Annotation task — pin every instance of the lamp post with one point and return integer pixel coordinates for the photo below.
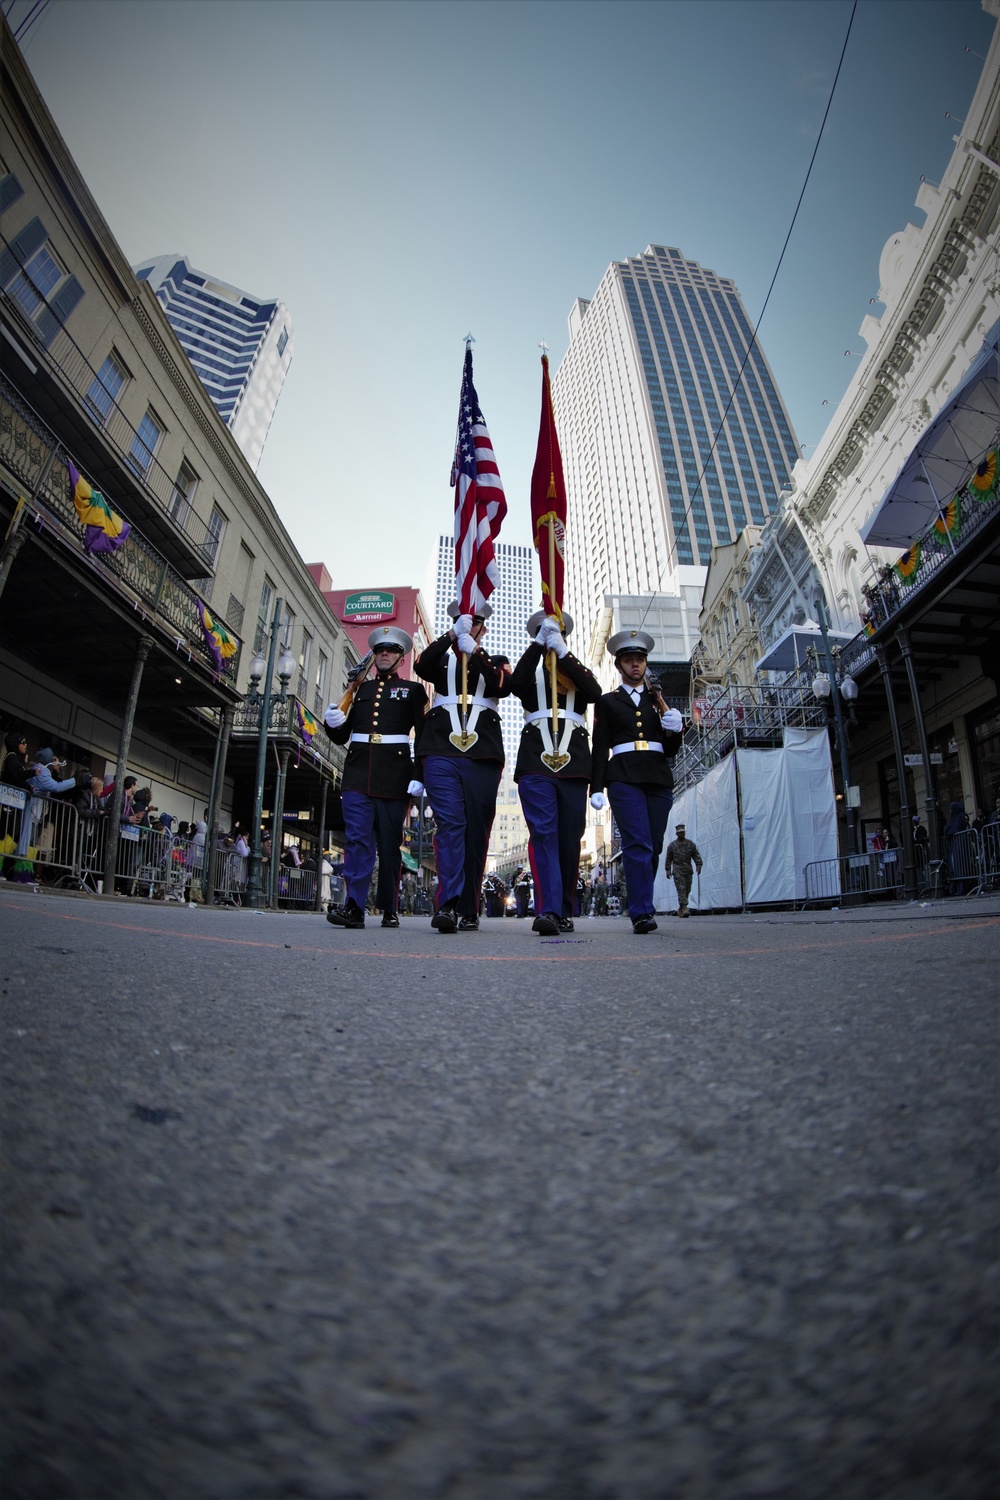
(260, 668)
(828, 684)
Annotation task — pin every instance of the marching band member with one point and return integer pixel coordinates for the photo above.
(378, 777)
(462, 762)
(552, 771)
(634, 738)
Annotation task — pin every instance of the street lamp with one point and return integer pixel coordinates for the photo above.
(822, 686)
(259, 668)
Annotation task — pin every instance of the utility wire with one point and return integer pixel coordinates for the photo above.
(760, 319)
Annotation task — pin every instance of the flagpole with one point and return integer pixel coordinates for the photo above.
(464, 711)
(556, 610)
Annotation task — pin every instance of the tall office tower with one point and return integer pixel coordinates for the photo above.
(659, 464)
(517, 595)
(240, 346)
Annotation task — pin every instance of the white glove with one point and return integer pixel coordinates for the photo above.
(598, 800)
(466, 642)
(671, 721)
(333, 718)
(415, 789)
(463, 625)
(550, 637)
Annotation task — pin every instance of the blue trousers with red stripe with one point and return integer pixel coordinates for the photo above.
(373, 826)
(556, 814)
(641, 813)
(463, 795)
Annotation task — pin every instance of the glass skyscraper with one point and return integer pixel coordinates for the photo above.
(240, 346)
(668, 449)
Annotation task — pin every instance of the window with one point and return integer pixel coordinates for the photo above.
(144, 444)
(32, 285)
(184, 487)
(264, 615)
(214, 532)
(105, 388)
(34, 278)
(282, 341)
(304, 655)
(322, 668)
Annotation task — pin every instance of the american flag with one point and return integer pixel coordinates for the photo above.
(480, 503)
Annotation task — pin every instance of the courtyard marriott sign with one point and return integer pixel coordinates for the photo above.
(368, 608)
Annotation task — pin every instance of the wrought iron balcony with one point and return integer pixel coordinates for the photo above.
(37, 463)
(285, 723)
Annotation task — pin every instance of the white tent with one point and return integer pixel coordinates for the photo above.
(758, 818)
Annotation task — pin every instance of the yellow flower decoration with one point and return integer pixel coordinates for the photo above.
(949, 521)
(984, 480)
(905, 568)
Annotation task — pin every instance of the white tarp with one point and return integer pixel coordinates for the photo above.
(789, 817)
(789, 814)
(708, 811)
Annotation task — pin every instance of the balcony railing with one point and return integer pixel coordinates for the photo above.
(62, 354)
(137, 571)
(283, 723)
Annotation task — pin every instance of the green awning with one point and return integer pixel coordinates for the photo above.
(409, 863)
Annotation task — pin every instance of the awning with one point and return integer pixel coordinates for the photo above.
(409, 862)
(791, 649)
(944, 457)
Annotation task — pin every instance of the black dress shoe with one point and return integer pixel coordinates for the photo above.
(644, 924)
(566, 924)
(469, 924)
(547, 924)
(349, 915)
(390, 919)
(445, 920)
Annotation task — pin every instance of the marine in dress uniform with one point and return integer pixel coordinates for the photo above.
(462, 784)
(682, 853)
(633, 744)
(552, 772)
(379, 777)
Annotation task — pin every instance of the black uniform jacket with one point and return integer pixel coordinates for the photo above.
(617, 721)
(524, 685)
(489, 677)
(382, 705)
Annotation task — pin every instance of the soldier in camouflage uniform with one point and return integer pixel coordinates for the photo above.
(681, 854)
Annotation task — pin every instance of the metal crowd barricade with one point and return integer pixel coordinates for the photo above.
(153, 866)
(230, 877)
(858, 877)
(990, 844)
(39, 837)
(296, 887)
(963, 855)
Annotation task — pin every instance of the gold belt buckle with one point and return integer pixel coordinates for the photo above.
(375, 739)
(641, 745)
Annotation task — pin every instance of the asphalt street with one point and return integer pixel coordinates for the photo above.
(297, 1213)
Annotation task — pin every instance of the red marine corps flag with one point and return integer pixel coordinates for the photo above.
(548, 504)
(480, 504)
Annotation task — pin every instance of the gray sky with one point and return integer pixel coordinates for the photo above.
(402, 173)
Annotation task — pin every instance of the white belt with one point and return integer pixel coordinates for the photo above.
(564, 713)
(445, 700)
(637, 745)
(380, 739)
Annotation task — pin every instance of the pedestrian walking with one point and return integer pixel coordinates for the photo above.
(553, 767)
(460, 751)
(635, 737)
(682, 853)
(379, 777)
